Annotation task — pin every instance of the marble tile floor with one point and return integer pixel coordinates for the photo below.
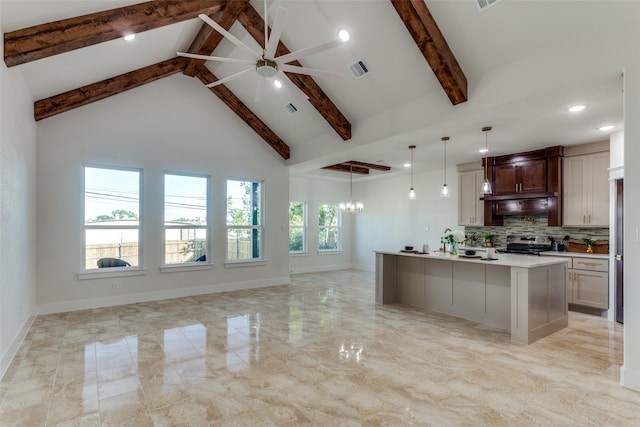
(318, 352)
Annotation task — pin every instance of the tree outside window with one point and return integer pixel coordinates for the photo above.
(329, 227)
(244, 220)
(297, 227)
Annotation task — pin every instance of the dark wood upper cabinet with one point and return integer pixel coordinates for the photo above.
(533, 175)
(521, 177)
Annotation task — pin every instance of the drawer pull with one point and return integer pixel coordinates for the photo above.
(590, 264)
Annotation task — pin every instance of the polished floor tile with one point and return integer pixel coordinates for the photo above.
(318, 352)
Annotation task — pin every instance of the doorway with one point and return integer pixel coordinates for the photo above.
(619, 248)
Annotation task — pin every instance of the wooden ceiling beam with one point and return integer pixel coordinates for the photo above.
(238, 107)
(373, 166)
(42, 41)
(96, 91)
(254, 24)
(346, 167)
(208, 39)
(425, 32)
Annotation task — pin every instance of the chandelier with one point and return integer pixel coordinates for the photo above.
(350, 207)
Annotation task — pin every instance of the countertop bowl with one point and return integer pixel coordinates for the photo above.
(408, 248)
(469, 252)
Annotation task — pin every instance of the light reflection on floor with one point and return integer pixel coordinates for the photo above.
(317, 352)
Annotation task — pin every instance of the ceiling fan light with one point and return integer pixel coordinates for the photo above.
(266, 67)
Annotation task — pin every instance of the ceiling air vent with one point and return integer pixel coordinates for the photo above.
(485, 4)
(291, 109)
(359, 69)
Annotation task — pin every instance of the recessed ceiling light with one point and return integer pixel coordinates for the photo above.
(277, 83)
(344, 35)
(606, 127)
(577, 108)
(407, 165)
(129, 37)
(484, 150)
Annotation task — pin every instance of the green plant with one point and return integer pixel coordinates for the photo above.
(587, 241)
(488, 239)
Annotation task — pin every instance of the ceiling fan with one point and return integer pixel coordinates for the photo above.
(265, 64)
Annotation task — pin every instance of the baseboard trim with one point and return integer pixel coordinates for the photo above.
(85, 304)
(320, 268)
(12, 350)
(371, 268)
(629, 378)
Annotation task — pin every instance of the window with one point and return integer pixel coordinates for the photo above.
(111, 217)
(297, 227)
(185, 218)
(329, 234)
(244, 220)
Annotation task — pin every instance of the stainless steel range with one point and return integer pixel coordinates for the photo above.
(528, 245)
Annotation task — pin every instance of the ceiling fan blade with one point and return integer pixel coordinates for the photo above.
(309, 71)
(227, 35)
(308, 51)
(259, 89)
(215, 58)
(231, 77)
(276, 31)
(295, 88)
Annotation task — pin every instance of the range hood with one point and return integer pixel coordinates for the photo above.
(527, 183)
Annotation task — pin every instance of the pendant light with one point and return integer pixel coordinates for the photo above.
(486, 185)
(445, 190)
(350, 207)
(412, 193)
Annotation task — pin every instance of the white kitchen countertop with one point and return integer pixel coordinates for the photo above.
(509, 260)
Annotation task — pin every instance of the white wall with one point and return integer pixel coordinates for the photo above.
(169, 125)
(17, 212)
(391, 221)
(630, 372)
(314, 191)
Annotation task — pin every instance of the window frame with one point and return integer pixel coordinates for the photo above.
(302, 227)
(338, 226)
(103, 272)
(260, 227)
(207, 227)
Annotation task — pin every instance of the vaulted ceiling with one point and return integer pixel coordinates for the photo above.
(524, 62)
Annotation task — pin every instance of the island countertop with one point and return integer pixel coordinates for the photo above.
(508, 260)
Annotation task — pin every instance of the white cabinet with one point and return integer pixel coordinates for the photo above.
(589, 282)
(586, 190)
(470, 207)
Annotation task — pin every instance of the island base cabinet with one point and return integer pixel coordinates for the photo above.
(530, 302)
(539, 305)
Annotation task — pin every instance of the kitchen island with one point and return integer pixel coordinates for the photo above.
(523, 294)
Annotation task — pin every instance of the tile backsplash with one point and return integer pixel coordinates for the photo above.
(537, 226)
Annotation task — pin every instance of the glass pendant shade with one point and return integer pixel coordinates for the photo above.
(412, 192)
(486, 184)
(444, 192)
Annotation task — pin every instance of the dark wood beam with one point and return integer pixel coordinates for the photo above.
(96, 91)
(253, 23)
(373, 166)
(208, 39)
(434, 48)
(238, 107)
(346, 167)
(42, 41)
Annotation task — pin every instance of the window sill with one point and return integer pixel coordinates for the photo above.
(294, 254)
(113, 272)
(336, 252)
(178, 268)
(245, 263)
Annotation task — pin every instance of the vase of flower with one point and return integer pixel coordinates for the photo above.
(453, 248)
(451, 242)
